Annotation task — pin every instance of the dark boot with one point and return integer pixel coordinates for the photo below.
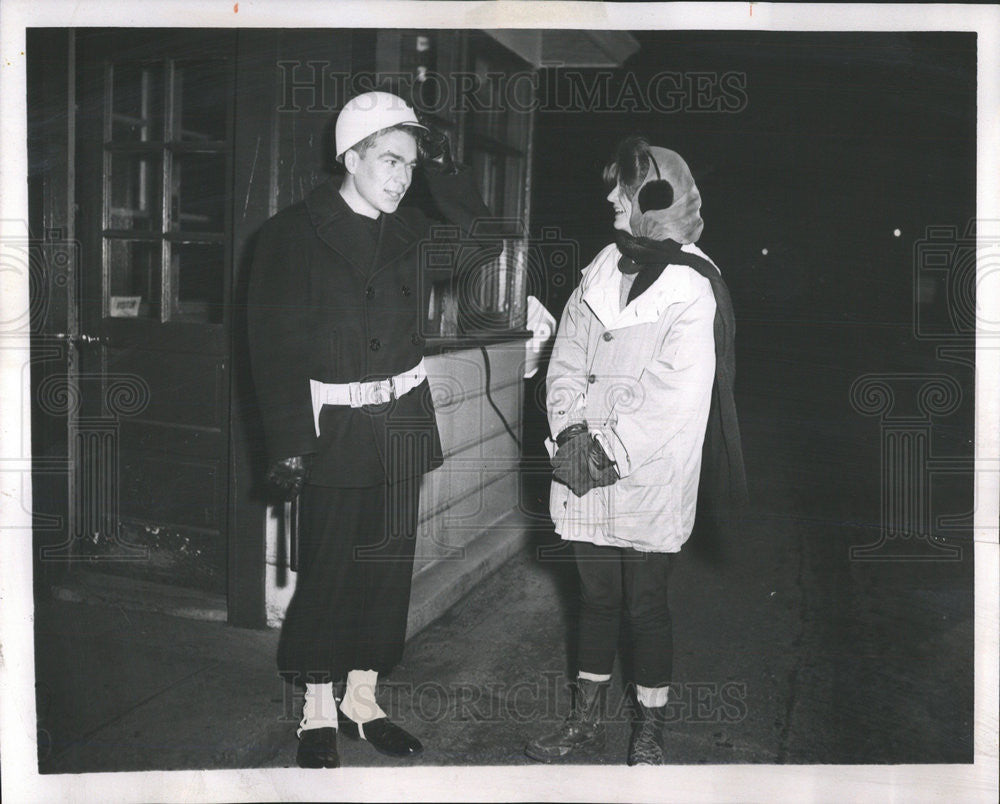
(584, 728)
(647, 741)
(318, 749)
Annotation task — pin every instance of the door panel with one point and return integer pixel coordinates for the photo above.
(155, 152)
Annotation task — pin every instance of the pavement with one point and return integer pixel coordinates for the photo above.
(777, 660)
(787, 649)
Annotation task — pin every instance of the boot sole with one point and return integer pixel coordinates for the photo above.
(595, 744)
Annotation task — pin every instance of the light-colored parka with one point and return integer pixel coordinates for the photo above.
(642, 378)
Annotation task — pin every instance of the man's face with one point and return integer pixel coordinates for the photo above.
(383, 175)
(619, 200)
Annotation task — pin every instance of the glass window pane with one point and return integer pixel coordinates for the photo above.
(487, 169)
(137, 102)
(135, 196)
(198, 193)
(198, 281)
(491, 115)
(418, 60)
(200, 96)
(133, 278)
(513, 202)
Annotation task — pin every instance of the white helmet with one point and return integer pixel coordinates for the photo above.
(368, 113)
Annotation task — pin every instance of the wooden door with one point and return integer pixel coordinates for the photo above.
(154, 198)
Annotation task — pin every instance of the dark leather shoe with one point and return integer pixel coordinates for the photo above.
(384, 735)
(318, 749)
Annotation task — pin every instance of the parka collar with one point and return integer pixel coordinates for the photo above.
(601, 289)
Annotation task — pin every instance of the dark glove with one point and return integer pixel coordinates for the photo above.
(435, 152)
(603, 470)
(581, 463)
(571, 463)
(288, 475)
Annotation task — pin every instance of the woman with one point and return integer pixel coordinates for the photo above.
(641, 370)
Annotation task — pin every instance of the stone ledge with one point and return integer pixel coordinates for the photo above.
(440, 585)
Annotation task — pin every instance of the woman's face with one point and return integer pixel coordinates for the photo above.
(622, 207)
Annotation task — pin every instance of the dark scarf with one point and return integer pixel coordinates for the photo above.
(723, 475)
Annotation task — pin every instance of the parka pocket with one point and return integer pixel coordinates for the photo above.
(657, 472)
(646, 502)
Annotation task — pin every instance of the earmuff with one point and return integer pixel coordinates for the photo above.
(657, 194)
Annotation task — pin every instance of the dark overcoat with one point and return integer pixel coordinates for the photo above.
(317, 311)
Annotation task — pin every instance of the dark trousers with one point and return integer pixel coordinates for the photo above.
(352, 594)
(613, 578)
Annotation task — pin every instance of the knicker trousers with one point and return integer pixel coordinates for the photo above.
(612, 578)
(352, 593)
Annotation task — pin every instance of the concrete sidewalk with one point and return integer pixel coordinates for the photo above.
(785, 652)
(134, 690)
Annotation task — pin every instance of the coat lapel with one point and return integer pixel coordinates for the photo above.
(396, 238)
(603, 290)
(337, 225)
(600, 290)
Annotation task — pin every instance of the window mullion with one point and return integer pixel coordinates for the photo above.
(168, 280)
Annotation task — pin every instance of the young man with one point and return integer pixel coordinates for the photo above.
(337, 358)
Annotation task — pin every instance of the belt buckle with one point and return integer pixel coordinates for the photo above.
(390, 388)
(378, 392)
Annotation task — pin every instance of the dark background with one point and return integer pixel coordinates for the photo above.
(844, 138)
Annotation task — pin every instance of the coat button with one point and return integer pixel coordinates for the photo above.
(608, 336)
(416, 339)
(406, 290)
(370, 293)
(592, 378)
(375, 344)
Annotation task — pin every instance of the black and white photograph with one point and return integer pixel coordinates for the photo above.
(492, 401)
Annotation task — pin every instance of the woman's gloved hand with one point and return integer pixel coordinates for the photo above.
(603, 470)
(581, 462)
(570, 465)
(289, 475)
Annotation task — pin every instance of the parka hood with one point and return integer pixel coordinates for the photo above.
(680, 220)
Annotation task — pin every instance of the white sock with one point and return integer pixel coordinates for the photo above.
(359, 697)
(600, 679)
(318, 709)
(652, 697)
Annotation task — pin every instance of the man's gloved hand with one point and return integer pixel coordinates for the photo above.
(288, 475)
(435, 152)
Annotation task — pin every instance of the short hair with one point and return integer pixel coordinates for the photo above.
(629, 165)
(361, 146)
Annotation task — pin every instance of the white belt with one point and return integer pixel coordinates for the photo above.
(357, 394)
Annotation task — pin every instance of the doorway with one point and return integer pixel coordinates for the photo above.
(149, 445)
